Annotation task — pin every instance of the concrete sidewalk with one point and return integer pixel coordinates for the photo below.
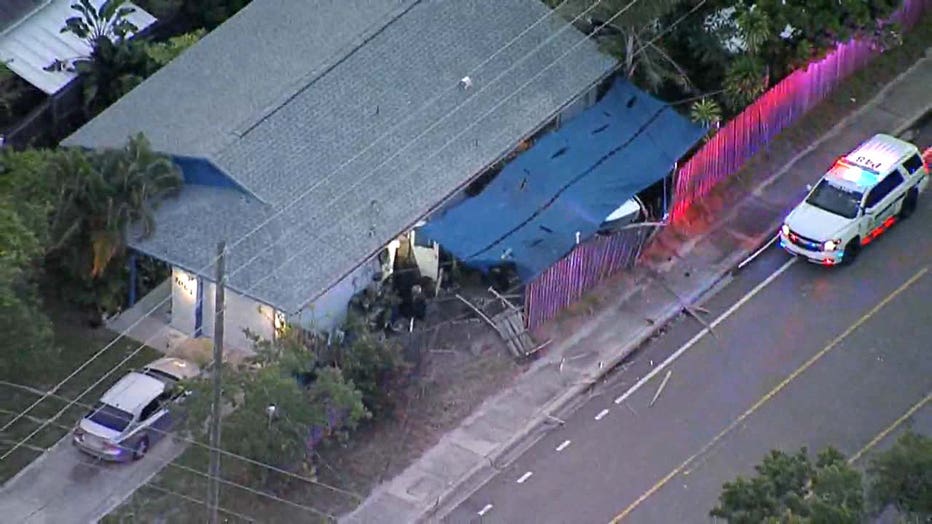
(682, 265)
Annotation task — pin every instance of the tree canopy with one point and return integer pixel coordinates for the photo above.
(272, 406)
(27, 335)
(902, 477)
(78, 207)
(790, 488)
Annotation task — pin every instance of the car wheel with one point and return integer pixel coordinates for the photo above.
(909, 204)
(852, 250)
(141, 448)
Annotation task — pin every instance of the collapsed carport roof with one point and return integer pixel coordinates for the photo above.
(342, 126)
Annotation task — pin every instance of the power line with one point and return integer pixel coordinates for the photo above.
(278, 212)
(586, 37)
(486, 114)
(305, 193)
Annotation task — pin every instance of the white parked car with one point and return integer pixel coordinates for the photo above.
(859, 198)
(134, 413)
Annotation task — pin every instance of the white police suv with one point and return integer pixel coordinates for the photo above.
(859, 198)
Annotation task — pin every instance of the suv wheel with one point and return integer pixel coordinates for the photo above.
(141, 448)
(852, 250)
(909, 204)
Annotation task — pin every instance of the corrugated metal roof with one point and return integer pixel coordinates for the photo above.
(36, 41)
(285, 93)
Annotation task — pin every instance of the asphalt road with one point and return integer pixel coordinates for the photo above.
(813, 357)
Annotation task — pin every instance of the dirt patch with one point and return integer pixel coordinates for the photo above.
(453, 384)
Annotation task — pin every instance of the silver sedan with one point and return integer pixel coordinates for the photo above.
(134, 413)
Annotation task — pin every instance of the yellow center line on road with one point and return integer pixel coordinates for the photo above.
(889, 429)
(773, 392)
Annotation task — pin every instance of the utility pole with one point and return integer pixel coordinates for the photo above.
(213, 480)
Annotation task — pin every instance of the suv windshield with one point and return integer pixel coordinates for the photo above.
(110, 417)
(835, 199)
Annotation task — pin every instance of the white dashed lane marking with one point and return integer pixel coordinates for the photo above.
(563, 446)
(485, 509)
(524, 477)
(601, 414)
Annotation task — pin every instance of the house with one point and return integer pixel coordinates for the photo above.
(312, 135)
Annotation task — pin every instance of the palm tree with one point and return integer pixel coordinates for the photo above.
(103, 193)
(745, 80)
(707, 113)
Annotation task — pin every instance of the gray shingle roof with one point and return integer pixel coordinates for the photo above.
(305, 112)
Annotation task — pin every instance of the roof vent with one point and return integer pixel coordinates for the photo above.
(466, 83)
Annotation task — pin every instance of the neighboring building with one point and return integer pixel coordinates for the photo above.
(312, 135)
(31, 39)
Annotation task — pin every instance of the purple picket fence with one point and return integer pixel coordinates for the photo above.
(782, 105)
(588, 264)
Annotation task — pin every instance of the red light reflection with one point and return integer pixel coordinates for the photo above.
(879, 230)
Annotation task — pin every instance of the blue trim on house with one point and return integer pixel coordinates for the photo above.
(132, 279)
(202, 172)
(199, 309)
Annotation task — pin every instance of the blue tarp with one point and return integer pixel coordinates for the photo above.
(568, 182)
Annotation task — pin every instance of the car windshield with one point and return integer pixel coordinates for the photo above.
(110, 417)
(834, 199)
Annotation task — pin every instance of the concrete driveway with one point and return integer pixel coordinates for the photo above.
(65, 486)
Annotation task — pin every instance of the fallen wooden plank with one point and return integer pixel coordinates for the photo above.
(479, 312)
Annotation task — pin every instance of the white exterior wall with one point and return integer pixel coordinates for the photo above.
(241, 313)
(328, 312)
(325, 314)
